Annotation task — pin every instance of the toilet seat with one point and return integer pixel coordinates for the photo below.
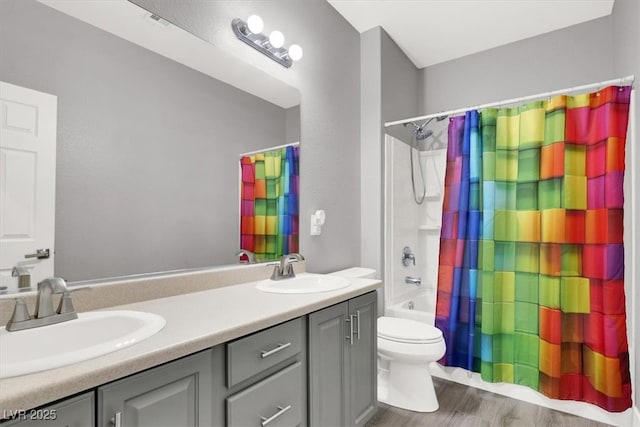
(407, 331)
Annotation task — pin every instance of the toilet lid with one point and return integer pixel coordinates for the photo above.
(406, 330)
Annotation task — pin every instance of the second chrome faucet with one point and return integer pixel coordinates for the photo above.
(284, 269)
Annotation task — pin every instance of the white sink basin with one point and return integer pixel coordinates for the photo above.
(91, 335)
(304, 283)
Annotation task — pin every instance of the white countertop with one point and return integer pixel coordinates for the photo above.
(195, 321)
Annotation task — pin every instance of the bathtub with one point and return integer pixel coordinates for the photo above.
(417, 308)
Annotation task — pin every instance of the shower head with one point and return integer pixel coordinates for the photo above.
(422, 134)
(419, 131)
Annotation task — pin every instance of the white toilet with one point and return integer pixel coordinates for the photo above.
(405, 350)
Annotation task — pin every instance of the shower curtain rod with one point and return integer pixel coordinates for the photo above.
(619, 81)
(264, 150)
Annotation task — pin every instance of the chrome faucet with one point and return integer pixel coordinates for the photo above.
(250, 256)
(44, 313)
(284, 269)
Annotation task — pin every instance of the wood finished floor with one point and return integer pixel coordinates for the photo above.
(467, 406)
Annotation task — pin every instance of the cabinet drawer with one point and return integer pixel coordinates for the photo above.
(274, 401)
(262, 350)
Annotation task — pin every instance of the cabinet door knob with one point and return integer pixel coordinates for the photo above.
(281, 410)
(116, 420)
(280, 347)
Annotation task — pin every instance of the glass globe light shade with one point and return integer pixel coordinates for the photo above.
(255, 24)
(276, 38)
(295, 52)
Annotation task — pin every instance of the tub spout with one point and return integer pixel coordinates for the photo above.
(413, 280)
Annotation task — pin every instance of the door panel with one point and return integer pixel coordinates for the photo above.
(27, 181)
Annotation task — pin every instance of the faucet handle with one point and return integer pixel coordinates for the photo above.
(20, 311)
(66, 304)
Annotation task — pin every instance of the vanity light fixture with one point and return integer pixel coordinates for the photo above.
(272, 46)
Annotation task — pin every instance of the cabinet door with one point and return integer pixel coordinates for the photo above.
(78, 411)
(328, 340)
(363, 360)
(176, 394)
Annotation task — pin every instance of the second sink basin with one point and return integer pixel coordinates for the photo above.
(304, 283)
(91, 335)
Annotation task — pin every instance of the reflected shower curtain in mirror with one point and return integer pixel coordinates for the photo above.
(269, 203)
(531, 268)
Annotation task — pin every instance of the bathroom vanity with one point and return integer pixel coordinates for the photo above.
(231, 356)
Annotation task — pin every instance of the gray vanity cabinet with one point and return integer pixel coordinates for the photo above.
(176, 394)
(74, 412)
(343, 363)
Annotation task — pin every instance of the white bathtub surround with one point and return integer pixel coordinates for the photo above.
(410, 224)
(420, 308)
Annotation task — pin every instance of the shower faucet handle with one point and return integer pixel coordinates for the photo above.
(408, 257)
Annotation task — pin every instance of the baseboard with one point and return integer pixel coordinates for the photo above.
(636, 416)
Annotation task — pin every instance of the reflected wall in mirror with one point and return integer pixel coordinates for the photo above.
(147, 148)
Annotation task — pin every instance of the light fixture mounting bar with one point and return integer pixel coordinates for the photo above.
(260, 42)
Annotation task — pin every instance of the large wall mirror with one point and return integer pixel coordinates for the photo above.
(148, 147)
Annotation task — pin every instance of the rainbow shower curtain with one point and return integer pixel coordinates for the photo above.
(531, 269)
(269, 203)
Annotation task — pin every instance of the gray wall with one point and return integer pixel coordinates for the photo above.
(328, 76)
(390, 91)
(572, 56)
(147, 154)
(626, 61)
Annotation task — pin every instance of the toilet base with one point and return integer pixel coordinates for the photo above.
(408, 386)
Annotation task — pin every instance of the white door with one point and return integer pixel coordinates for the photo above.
(27, 181)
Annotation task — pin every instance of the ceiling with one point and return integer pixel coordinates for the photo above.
(434, 31)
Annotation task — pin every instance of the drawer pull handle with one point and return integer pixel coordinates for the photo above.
(350, 320)
(281, 410)
(280, 347)
(358, 329)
